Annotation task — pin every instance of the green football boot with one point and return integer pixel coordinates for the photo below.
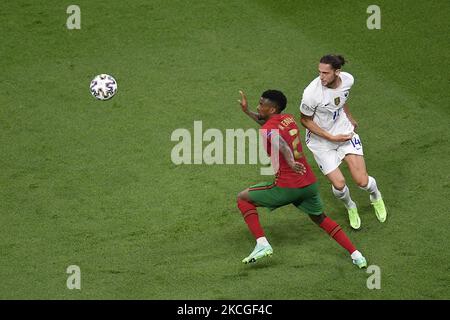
(360, 262)
(380, 209)
(259, 252)
(353, 216)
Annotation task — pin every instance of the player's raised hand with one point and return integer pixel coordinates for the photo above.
(243, 102)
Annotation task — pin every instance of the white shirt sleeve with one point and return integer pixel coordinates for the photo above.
(308, 105)
(350, 79)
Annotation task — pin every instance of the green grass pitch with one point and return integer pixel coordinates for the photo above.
(91, 183)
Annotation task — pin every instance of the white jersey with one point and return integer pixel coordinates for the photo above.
(326, 105)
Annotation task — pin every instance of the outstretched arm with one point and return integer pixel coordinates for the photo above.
(244, 105)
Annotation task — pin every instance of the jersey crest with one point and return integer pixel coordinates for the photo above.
(337, 100)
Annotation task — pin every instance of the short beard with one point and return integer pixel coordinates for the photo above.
(332, 84)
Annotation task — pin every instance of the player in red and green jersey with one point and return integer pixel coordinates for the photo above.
(295, 183)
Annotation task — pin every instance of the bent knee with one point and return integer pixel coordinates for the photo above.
(362, 181)
(339, 184)
(243, 195)
(317, 219)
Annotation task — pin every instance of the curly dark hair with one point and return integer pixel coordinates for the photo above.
(336, 61)
(277, 97)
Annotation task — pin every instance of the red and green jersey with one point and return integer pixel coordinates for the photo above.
(284, 125)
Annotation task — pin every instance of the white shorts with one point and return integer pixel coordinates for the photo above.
(329, 160)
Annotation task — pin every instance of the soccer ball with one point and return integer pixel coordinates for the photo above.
(103, 87)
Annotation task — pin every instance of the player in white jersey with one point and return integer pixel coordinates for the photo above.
(331, 135)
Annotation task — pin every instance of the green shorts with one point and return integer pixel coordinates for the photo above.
(271, 196)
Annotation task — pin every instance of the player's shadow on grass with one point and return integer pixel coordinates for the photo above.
(265, 263)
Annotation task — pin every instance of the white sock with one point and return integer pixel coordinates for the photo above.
(356, 255)
(372, 189)
(262, 240)
(344, 196)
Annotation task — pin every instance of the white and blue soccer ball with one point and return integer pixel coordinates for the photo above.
(103, 87)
